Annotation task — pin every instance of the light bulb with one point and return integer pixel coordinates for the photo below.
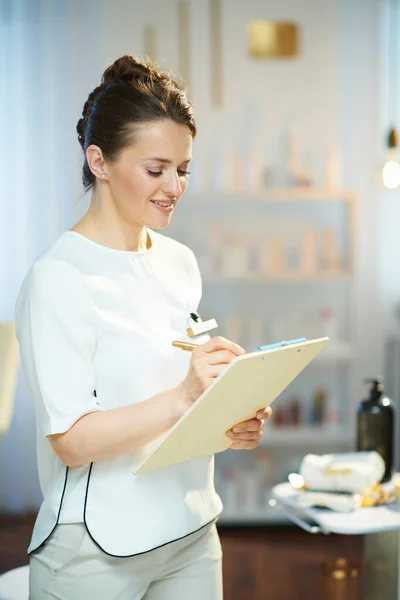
(391, 174)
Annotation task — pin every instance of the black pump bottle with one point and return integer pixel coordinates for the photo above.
(375, 425)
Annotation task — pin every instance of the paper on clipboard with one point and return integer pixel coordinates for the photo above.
(251, 382)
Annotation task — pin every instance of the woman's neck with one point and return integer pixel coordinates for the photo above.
(113, 233)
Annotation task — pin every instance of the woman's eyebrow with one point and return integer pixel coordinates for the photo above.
(166, 161)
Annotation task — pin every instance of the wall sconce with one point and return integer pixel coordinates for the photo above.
(273, 39)
(391, 169)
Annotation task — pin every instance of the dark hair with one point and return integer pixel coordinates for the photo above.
(131, 92)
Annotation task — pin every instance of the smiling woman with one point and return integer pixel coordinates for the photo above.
(95, 318)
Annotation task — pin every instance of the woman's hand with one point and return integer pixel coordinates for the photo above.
(247, 435)
(208, 361)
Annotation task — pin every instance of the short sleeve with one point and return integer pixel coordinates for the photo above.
(56, 333)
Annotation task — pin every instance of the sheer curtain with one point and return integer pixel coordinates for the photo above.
(49, 62)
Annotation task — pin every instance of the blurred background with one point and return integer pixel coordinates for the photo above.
(293, 211)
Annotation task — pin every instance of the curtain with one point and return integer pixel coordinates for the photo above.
(49, 62)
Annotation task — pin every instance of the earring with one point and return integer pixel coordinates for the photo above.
(103, 176)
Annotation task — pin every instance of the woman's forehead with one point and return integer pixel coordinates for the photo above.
(163, 140)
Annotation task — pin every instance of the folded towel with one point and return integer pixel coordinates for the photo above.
(344, 472)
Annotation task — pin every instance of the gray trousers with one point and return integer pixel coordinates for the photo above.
(72, 567)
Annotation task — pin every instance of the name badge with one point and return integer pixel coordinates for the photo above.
(197, 326)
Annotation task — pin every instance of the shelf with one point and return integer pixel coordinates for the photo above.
(304, 436)
(268, 516)
(277, 279)
(278, 195)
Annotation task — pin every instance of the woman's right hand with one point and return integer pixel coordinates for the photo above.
(208, 361)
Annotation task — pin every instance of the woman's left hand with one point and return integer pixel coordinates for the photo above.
(247, 435)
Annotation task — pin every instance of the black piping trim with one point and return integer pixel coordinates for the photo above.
(59, 512)
(137, 553)
(87, 526)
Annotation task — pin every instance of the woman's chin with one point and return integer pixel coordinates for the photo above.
(160, 223)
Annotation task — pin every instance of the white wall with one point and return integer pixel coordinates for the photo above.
(54, 54)
(389, 256)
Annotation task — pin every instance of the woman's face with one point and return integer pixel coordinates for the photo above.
(150, 176)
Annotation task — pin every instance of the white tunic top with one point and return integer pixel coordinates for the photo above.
(95, 327)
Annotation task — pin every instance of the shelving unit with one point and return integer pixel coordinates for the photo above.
(304, 436)
(294, 194)
(290, 278)
(268, 516)
(239, 285)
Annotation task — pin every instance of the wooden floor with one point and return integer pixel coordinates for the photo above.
(271, 563)
(15, 534)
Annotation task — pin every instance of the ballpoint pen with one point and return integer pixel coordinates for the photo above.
(184, 345)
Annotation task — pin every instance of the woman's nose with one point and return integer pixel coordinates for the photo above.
(173, 186)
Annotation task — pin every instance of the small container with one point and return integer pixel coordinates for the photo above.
(295, 412)
(229, 490)
(309, 253)
(234, 257)
(318, 412)
(328, 323)
(251, 491)
(334, 414)
(375, 425)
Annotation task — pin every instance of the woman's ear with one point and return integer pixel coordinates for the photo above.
(95, 160)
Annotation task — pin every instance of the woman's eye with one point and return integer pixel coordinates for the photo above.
(181, 173)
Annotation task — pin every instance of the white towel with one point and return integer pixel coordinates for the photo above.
(346, 472)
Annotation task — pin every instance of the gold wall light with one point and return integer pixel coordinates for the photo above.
(273, 39)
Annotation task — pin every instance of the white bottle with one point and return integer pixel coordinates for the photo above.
(293, 162)
(229, 491)
(334, 416)
(251, 491)
(328, 324)
(333, 171)
(234, 257)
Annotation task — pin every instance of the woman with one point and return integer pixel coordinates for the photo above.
(95, 319)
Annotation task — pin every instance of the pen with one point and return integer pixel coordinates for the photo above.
(184, 345)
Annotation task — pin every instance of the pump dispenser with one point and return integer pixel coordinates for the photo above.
(375, 425)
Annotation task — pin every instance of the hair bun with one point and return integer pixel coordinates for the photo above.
(128, 68)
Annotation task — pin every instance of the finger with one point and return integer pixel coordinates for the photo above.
(245, 436)
(220, 357)
(241, 445)
(251, 425)
(221, 343)
(265, 413)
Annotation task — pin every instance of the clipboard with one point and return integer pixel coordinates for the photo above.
(250, 383)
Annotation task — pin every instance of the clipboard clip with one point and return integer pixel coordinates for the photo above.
(198, 326)
(280, 344)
